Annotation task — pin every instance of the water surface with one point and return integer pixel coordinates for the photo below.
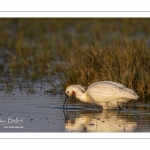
(35, 108)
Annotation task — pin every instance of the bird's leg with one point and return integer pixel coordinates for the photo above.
(126, 105)
(119, 108)
(84, 129)
(105, 106)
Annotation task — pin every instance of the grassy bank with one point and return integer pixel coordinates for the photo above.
(77, 51)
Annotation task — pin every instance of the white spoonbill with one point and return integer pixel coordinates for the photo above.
(107, 94)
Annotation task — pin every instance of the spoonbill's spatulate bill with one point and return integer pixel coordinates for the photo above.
(107, 94)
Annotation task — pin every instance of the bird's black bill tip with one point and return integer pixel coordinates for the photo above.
(66, 96)
(66, 100)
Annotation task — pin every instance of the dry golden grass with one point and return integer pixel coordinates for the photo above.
(124, 64)
(77, 51)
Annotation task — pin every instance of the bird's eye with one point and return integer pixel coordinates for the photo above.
(67, 91)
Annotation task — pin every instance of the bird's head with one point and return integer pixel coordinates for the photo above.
(70, 90)
(73, 90)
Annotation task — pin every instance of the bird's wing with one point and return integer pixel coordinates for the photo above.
(104, 92)
(124, 90)
(110, 82)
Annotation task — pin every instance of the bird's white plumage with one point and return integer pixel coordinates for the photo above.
(108, 94)
(80, 87)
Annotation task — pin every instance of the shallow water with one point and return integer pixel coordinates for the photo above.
(34, 108)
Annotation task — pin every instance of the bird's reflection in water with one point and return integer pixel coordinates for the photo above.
(104, 121)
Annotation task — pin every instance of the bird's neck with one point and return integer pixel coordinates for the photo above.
(83, 97)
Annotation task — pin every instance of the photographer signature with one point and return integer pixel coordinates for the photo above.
(11, 121)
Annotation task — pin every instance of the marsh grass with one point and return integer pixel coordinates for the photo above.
(126, 63)
(27, 47)
(76, 51)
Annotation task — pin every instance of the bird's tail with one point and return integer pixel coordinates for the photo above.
(132, 93)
